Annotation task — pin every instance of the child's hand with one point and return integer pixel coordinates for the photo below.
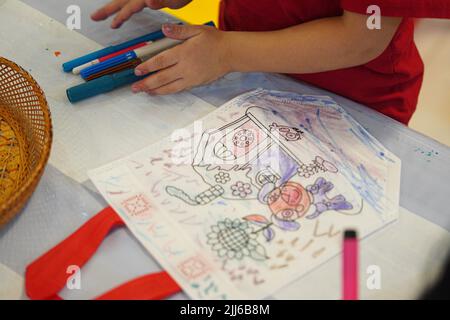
(126, 8)
(201, 59)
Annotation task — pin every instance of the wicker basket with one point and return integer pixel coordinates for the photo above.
(25, 137)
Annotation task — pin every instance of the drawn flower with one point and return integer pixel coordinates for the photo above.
(241, 189)
(317, 165)
(307, 171)
(235, 239)
(222, 177)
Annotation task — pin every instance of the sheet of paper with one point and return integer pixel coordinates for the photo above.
(98, 130)
(254, 195)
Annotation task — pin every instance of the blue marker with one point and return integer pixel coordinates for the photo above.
(102, 85)
(111, 82)
(145, 52)
(68, 66)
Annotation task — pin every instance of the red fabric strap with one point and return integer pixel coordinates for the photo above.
(47, 275)
(153, 286)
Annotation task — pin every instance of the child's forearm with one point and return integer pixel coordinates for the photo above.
(317, 46)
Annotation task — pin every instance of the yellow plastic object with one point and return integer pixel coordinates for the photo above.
(198, 12)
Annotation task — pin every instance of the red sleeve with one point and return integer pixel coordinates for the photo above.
(402, 8)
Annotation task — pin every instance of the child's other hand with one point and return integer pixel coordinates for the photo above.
(126, 8)
(201, 59)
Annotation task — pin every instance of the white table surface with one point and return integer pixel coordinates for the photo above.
(424, 183)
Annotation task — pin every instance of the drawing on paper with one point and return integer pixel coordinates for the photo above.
(250, 164)
(235, 240)
(259, 196)
(244, 161)
(288, 133)
(193, 267)
(137, 207)
(322, 203)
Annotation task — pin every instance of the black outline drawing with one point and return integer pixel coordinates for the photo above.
(202, 198)
(318, 165)
(213, 158)
(319, 191)
(245, 160)
(288, 133)
(243, 138)
(234, 240)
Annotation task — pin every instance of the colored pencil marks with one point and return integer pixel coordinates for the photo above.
(137, 207)
(322, 202)
(206, 288)
(244, 160)
(330, 232)
(331, 128)
(253, 164)
(256, 194)
(194, 267)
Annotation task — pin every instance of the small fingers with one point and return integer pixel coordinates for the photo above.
(161, 61)
(108, 10)
(126, 12)
(156, 80)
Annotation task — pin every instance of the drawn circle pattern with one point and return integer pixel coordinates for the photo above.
(243, 138)
(241, 189)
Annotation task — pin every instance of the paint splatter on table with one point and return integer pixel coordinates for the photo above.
(428, 154)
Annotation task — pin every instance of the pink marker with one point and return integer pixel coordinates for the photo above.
(350, 266)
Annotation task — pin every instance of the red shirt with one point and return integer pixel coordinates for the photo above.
(390, 83)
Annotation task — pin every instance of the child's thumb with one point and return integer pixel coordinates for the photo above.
(180, 32)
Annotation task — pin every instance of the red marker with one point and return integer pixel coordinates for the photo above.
(77, 70)
(350, 266)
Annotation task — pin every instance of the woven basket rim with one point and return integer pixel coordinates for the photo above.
(13, 205)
